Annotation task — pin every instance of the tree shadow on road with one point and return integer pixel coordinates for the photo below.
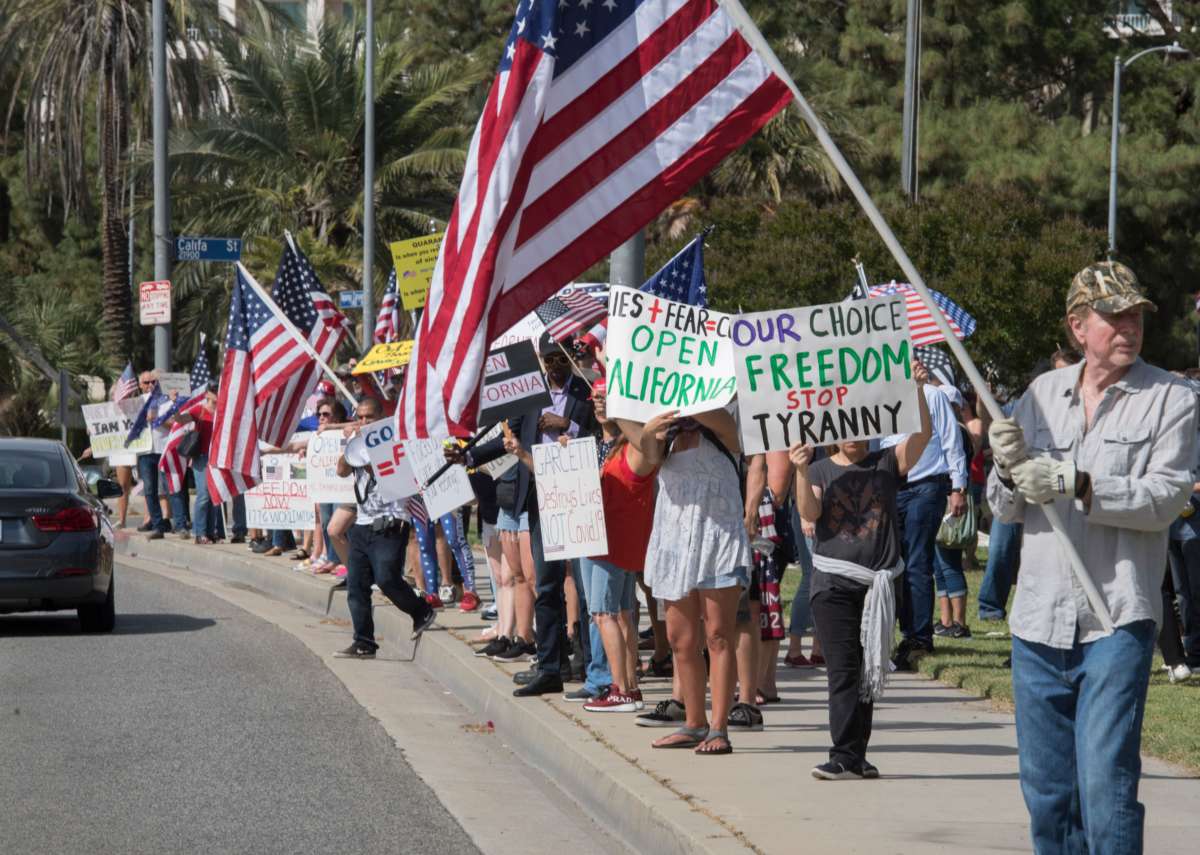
(155, 623)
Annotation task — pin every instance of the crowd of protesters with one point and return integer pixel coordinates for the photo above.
(700, 537)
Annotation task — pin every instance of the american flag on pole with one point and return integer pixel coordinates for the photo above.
(387, 325)
(141, 421)
(267, 374)
(565, 314)
(682, 278)
(920, 322)
(601, 114)
(125, 386)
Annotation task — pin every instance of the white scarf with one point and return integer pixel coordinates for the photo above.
(878, 620)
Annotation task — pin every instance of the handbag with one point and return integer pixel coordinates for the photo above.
(189, 446)
(959, 532)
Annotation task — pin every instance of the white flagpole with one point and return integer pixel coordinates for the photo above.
(750, 32)
(291, 328)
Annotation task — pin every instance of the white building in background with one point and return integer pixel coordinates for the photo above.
(1132, 19)
(307, 14)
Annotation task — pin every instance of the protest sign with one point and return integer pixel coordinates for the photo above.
(393, 354)
(496, 468)
(175, 382)
(570, 504)
(414, 261)
(663, 355)
(451, 490)
(394, 476)
(281, 500)
(324, 485)
(512, 384)
(529, 328)
(823, 374)
(108, 424)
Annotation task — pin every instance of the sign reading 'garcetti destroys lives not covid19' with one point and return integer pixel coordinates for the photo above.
(824, 374)
(664, 355)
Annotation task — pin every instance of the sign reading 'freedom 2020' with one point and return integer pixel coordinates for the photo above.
(824, 374)
(664, 355)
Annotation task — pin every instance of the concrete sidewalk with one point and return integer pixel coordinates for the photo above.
(949, 762)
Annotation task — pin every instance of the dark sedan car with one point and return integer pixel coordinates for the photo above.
(56, 543)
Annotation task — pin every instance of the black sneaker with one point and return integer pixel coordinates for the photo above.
(908, 653)
(255, 543)
(423, 624)
(957, 630)
(832, 771)
(356, 651)
(669, 713)
(238, 538)
(517, 651)
(941, 629)
(261, 547)
(145, 527)
(493, 647)
(745, 717)
(869, 771)
(155, 535)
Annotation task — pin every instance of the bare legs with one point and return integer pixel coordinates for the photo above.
(339, 529)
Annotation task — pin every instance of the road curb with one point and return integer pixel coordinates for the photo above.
(630, 803)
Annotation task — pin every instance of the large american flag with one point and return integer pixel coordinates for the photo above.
(565, 314)
(172, 463)
(126, 385)
(387, 325)
(601, 114)
(682, 278)
(921, 325)
(267, 374)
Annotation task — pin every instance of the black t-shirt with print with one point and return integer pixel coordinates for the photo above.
(858, 514)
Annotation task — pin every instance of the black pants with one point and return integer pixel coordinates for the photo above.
(1169, 640)
(549, 606)
(837, 614)
(378, 557)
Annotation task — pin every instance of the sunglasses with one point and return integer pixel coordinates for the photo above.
(555, 357)
(325, 415)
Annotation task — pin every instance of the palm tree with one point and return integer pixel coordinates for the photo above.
(84, 76)
(285, 152)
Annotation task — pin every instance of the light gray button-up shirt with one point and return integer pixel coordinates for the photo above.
(1139, 452)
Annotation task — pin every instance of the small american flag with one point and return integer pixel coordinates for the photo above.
(142, 420)
(267, 374)
(936, 359)
(568, 312)
(602, 113)
(172, 463)
(920, 323)
(126, 384)
(682, 278)
(417, 510)
(387, 325)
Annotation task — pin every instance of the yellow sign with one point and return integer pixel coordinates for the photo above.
(381, 356)
(415, 260)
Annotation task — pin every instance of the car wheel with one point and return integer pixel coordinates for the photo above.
(100, 618)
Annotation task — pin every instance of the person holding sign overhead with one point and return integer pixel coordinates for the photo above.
(851, 499)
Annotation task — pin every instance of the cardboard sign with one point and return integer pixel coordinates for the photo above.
(414, 260)
(663, 355)
(108, 425)
(382, 356)
(394, 476)
(281, 500)
(824, 374)
(154, 302)
(449, 492)
(570, 504)
(324, 485)
(179, 382)
(512, 384)
(496, 468)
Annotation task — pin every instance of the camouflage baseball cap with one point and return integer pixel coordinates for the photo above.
(1107, 286)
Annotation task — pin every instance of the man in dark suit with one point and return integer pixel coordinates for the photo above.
(570, 413)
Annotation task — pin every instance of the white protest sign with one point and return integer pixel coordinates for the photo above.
(394, 476)
(823, 374)
(281, 500)
(451, 490)
(526, 329)
(324, 485)
(175, 381)
(108, 425)
(570, 504)
(663, 355)
(496, 468)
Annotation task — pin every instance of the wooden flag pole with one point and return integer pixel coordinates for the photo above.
(757, 41)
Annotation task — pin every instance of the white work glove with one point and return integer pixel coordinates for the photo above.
(1008, 445)
(1044, 479)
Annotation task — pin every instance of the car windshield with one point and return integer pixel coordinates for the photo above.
(31, 470)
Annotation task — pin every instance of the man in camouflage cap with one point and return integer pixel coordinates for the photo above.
(1111, 442)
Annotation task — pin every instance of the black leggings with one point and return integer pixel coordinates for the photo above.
(837, 614)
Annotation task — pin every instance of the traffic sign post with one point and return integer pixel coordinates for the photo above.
(208, 249)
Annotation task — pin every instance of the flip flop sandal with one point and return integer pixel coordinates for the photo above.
(693, 737)
(767, 699)
(714, 736)
(301, 555)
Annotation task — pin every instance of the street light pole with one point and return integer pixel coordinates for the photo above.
(162, 196)
(368, 306)
(1119, 67)
(912, 101)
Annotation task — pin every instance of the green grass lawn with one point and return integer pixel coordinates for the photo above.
(1172, 726)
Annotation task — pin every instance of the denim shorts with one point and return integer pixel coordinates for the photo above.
(508, 521)
(607, 588)
(739, 576)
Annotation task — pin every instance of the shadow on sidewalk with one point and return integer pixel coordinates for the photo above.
(41, 625)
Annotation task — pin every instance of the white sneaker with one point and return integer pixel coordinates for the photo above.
(446, 594)
(1179, 673)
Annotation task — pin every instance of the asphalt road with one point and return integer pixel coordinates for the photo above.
(195, 727)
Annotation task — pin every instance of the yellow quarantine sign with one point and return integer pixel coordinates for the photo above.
(414, 260)
(383, 356)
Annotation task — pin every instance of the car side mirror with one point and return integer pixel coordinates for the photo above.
(107, 488)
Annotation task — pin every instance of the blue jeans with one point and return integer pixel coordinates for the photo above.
(1184, 556)
(147, 465)
(800, 620)
(239, 516)
(283, 539)
(1004, 550)
(598, 674)
(326, 512)
(921, 508)
(948, 577)
(1079, 732)
(202, 512)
